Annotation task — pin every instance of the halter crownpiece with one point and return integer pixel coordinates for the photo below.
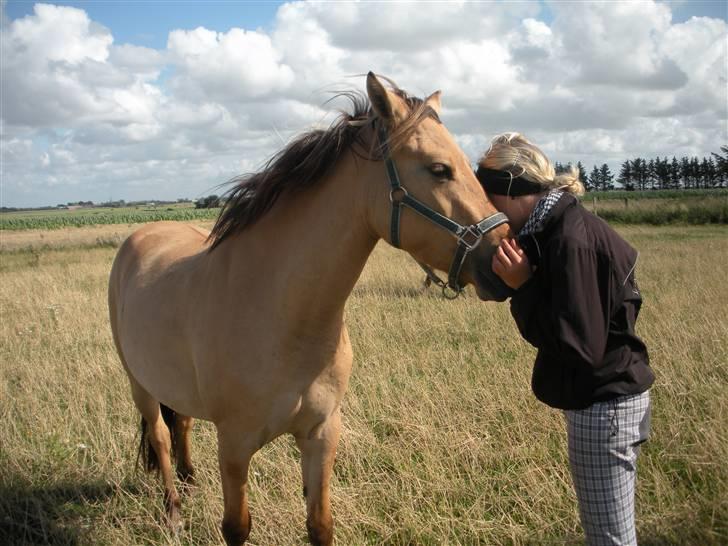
(505, 183)
(468, 237)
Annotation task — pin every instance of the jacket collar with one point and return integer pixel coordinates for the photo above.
(533, 243)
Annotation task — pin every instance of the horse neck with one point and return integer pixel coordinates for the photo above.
(316, 244)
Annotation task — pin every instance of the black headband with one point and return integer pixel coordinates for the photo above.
(503, 183)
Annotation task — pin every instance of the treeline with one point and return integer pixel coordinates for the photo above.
(209, 202)
(658, 173)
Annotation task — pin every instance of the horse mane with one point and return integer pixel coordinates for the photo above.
(309, 158)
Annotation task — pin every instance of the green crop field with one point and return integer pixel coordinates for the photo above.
(443, 442)
(55, 219)
(645, 207)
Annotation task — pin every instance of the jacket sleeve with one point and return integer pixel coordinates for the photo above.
(564, 309)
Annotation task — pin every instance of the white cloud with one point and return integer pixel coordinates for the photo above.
(229, 67)
(57, 69)
(86, 118)
(65, 34)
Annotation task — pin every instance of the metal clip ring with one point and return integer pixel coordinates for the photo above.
(391, 194)
(450, 293)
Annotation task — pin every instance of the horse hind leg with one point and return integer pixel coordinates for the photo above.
(181, 440)
(156, 446)
(318, 451)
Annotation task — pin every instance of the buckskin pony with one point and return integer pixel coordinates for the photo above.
(244, 326)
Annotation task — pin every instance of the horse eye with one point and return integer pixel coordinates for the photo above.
(441, 170)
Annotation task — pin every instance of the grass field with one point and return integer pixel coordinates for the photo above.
(443, 443)
(650, 207)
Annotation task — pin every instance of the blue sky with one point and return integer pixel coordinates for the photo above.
(147, 23)
(162, 100)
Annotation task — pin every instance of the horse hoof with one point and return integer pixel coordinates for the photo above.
(187, 481)
(174, 522)
(236, 534)
(173, 514)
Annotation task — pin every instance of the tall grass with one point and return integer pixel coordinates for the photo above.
(695, 207)
(443, 443)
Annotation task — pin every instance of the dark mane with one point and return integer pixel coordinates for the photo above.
(308, 159)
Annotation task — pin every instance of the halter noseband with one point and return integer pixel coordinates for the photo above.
(468, 237)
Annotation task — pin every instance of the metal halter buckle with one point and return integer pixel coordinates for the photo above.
(470, 231)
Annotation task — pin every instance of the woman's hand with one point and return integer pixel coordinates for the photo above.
(511, 264)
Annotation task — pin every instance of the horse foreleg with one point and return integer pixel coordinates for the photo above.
(234, 457)
(318, 450)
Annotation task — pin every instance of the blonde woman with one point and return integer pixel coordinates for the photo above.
(576, 301)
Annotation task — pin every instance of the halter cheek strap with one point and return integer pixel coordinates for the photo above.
(468, 237)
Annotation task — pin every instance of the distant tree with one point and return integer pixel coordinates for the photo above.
(582, 172)
(209, 202)
(721, 166)
(708, 173)
(639, 173)
(606, 177)
(662, 173)
(695, 172)
(685, 172)
(625, 176)
(655, 173)
(674, 174)
(594, 180)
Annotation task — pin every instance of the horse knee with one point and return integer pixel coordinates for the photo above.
(236, 533)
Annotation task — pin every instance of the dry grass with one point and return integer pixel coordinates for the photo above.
(443, 441)
(100, 235)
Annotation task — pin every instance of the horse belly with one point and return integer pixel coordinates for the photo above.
(162, 367)
(150, 303)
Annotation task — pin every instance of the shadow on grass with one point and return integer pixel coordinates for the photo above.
(58, 514)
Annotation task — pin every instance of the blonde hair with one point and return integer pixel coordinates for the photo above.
(513, 153)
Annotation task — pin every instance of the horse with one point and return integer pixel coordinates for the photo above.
(244, 326)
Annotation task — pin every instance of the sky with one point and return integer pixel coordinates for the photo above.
(150, 100)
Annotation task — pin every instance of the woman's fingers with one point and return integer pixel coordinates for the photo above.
(503, 258)
(512, 251)
(496, 265)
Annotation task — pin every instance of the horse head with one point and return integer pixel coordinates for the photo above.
(445, 219)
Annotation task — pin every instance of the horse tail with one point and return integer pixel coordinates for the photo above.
(146, 453)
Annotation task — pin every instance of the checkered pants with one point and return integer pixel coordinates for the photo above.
(604, 442)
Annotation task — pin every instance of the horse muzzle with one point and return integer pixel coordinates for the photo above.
(488, 285)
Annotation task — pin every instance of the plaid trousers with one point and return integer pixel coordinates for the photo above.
(604, 442)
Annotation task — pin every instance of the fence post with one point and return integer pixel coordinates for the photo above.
(594, 205)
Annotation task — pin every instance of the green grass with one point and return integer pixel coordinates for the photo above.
(696, 207)
(655, 194)
(443, 442)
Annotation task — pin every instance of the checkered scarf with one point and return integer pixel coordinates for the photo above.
(542, 208)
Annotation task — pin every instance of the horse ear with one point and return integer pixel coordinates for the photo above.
(433, 101)
(385, 104)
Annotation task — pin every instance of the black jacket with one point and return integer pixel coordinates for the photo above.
(579, 310)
